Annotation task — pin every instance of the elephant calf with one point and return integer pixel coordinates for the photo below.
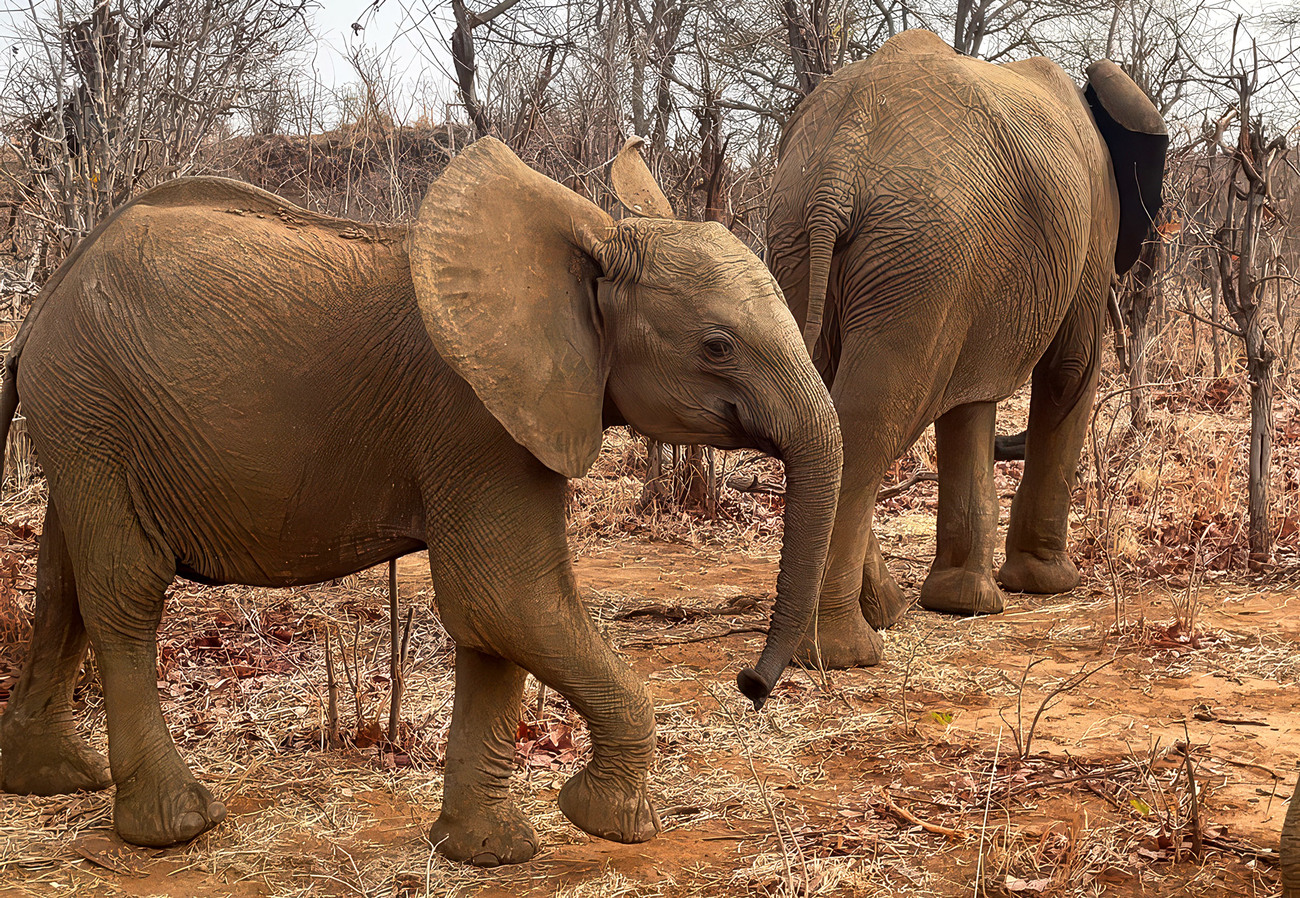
(224, 386)
(942, 227)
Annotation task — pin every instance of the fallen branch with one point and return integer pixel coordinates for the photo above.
(906, 815)
(751, 483)
(732, 632)
(921, 476)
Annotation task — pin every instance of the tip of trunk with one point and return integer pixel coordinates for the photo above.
(752, 685)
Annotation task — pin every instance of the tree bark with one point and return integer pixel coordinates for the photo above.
(1137, 311)
(462, 55)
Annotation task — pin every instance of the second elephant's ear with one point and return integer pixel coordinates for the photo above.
(504, 273)
(633, 184)
(1137, 139)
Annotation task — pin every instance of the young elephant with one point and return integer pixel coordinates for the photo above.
(226, 387)
(942, 227)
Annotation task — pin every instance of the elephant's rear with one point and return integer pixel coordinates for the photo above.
(929, 171)
(200, 293)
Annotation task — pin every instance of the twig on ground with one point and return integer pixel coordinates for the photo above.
(988, 802)
(332, 693)
(767, 801)
(705, 638)
(1194, 812)
(901, 812)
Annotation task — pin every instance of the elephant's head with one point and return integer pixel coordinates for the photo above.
(553, 313)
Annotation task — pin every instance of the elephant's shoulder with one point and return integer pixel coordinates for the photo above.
(915, 42)
(1049, 77)
(227, 196)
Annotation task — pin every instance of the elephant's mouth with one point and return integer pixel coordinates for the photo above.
(719, 425)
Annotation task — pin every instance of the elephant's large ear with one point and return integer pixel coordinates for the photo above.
(634, 186)
(504, 273)
(1136, 137)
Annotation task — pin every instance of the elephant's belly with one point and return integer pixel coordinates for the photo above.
(988, 377)
(281, 525)
(307, 569)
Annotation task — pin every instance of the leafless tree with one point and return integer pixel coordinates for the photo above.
(1247, 262)
(103, 99)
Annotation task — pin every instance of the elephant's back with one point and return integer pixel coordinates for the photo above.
(209, 296)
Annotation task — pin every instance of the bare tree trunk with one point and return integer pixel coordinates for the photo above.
(462, 54)
(1215, 290)
(1259, 368)
(1138, 302)
(656, 490)
(1254, 161)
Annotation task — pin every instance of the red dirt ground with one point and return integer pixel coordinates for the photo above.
(872, 782)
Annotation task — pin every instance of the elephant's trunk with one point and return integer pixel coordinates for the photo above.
(1290, 855)
(812, 469)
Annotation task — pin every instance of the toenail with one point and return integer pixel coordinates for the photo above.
(191, 824)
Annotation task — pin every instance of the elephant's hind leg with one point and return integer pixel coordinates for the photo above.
(858, 593)
(961, 578)
(40, 750)
(121, 577)
(1064, 382)
(856, 585)
(479, 824)
(881, 601)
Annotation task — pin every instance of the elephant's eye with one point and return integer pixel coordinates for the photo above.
(718, 349)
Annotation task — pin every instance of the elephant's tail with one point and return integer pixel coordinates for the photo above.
(821, 246)
(828, 218)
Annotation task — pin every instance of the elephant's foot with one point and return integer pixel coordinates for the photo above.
(606, 808)
(840, 644)
(882, 602)
(48, 761)
(486, 836)
(959, 591)
(1046, 573)
(164, 809)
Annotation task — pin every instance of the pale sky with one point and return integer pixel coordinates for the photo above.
(408, 36)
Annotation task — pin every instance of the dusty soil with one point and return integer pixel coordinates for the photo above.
(925, 776)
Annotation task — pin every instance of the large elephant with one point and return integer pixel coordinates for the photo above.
(942, 227)
(1290, 853)
(226, 387)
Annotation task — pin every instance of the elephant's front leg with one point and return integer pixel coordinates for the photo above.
(1060, 404)
(505, 590)
(961, 578)
(479, 824)
(548, 633)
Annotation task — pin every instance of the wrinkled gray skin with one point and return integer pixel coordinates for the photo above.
(941, 228)
(1291, 847)
(223, 386)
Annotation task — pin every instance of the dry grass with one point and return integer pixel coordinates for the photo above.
(902, 780)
